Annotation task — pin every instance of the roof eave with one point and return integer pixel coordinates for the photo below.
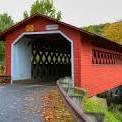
(4, 33)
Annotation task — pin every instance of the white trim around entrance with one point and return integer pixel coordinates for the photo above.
(44, 32)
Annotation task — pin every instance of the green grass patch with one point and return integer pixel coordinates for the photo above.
(93, 106)
(117, 111)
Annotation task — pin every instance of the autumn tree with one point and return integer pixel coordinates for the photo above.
(96, 29)
(114, 32)
(45, 7)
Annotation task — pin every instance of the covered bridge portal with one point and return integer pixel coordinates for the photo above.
(42, 56)
(40, 48)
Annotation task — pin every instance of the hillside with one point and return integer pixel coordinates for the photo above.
(112, 31)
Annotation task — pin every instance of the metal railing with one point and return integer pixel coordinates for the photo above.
(72, 98)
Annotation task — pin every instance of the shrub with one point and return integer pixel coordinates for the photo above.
(92, 106)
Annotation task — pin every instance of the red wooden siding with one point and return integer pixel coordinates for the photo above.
(39, 25)
(98, 78)
(95, 78)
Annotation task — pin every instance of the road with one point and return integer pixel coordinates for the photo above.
(21, 103)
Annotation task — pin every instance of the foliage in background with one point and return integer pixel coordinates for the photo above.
(25, 14)
(2, 52)
(114, 32)
(96, 29)
(5, 22)
(45, 7)
(1, 70)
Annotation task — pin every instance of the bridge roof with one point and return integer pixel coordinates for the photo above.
(97, 39)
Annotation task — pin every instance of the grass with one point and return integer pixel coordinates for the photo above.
(117, 111)
(91, 106)
(56, 110)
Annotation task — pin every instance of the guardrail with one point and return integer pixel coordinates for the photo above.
(72, 97)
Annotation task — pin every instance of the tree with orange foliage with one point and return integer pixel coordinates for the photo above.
(114, 32)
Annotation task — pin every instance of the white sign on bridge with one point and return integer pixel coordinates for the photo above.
(52, 27)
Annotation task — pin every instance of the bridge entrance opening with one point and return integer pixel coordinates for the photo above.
(47, 57)
(50, 58)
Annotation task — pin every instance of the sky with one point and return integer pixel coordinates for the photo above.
(76, 12)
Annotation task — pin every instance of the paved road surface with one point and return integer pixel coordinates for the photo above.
(21, 103)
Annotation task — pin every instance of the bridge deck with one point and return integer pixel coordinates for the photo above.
(21, 102)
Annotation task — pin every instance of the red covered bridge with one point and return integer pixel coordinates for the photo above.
(40, 48)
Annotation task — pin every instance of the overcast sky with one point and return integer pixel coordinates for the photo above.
(75, 12)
